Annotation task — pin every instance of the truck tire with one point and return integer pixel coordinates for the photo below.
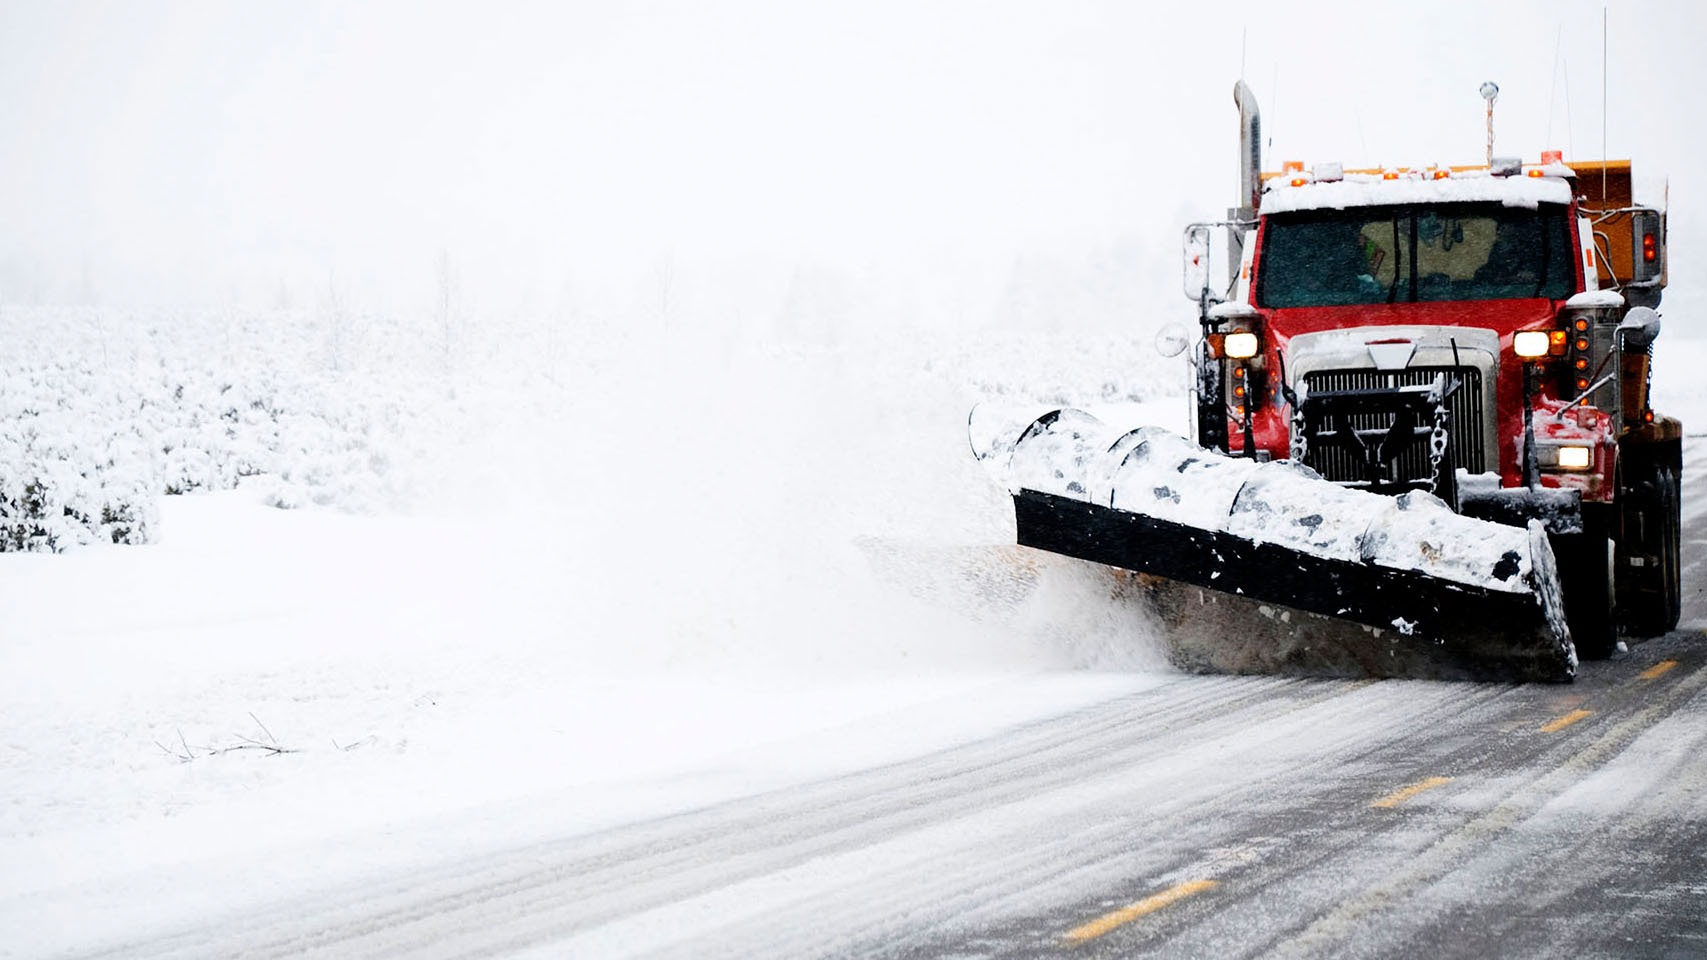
(1673, 487)
(1587, 582)
(1655, 609)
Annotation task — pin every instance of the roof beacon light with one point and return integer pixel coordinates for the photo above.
(1490, 92)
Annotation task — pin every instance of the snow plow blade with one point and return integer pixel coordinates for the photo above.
(1265, 567)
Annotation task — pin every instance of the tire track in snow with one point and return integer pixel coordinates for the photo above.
(1330, 853)
(991, 868)
(594, 879)
(998, 847)
(1481, 852)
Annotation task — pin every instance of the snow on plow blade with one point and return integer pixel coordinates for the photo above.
(1436, 594)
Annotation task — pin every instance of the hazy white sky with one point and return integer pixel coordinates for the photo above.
(226, 147)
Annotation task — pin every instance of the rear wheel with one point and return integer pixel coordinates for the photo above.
(1674, 549)
(1654, 603)
(1586, 580)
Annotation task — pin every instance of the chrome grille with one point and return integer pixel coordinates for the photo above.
(1465, 406)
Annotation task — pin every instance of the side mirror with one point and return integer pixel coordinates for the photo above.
(1173, 339)
(1640, 327)
(1196, 245)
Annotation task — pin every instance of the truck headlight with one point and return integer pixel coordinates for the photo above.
(1575, 458)
(1244, 345)
(1530, 344)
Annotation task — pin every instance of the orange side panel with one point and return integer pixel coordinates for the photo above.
(1606, 185)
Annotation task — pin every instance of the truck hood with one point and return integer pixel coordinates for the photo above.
(1392, 348)
(1501, 316)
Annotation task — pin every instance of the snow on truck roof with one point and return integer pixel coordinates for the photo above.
(1285, 194)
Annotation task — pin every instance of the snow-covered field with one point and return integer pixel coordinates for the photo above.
(532, 592)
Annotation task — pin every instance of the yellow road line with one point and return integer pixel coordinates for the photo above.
(1566, 720)
(1658, 670)
(1402, 794)
(1144, 907)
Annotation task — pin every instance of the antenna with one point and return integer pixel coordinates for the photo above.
(1570, 114)
(1603, 104)
(1553, 88)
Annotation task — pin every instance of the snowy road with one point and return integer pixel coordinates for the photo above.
(1197, 817)
(1208, 816)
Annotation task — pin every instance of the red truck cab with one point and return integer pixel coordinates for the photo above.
(1481, 333)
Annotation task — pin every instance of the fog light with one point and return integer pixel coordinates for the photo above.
(1574, 458)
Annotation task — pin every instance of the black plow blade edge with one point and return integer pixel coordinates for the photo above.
(1412, 625)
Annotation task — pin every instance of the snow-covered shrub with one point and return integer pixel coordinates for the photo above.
(70, 473)
(99, 417)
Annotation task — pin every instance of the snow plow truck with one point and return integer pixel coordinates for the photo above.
(1423, 439)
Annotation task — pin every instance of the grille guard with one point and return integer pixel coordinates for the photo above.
(1410, 412)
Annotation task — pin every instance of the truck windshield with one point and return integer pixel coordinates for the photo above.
(1367, 255)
